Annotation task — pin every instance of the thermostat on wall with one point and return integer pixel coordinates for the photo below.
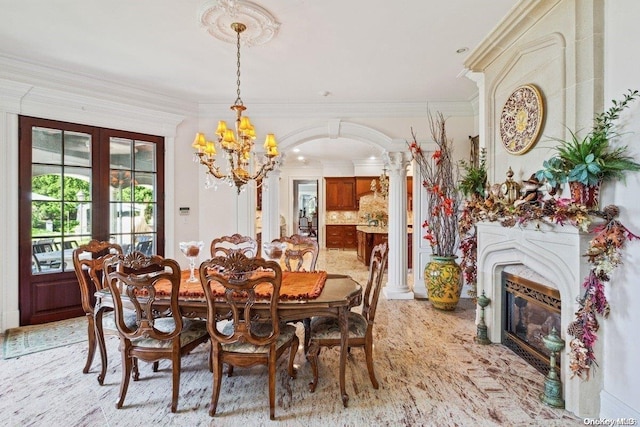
(184, 210)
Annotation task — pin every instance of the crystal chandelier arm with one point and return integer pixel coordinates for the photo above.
(264, 169)
(210, 165)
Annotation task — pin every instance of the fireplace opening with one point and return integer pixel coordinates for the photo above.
(531, 309)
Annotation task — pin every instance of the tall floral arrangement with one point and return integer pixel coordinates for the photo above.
(438, 178)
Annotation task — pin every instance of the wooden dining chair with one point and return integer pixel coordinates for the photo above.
(250, 337)
(132, 280)
(300, 253)
(87, 263)
(325, 331)
(236, 242)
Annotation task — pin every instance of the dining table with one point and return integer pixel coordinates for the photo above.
(334, 297)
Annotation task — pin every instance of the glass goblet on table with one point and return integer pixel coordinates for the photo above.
(191, 250)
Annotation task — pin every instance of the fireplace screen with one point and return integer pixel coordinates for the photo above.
(530, 311)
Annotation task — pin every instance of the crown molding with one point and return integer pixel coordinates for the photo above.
(47, 78)
(55, 79)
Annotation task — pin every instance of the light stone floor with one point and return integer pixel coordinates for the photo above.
(430, 372)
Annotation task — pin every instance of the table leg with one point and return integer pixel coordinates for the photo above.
(343, 320)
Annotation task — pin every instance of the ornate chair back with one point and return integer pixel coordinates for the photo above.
(301, 253)
(243, 280)
(136, 276)
(235, 243)
(379, 257)
(87, 262)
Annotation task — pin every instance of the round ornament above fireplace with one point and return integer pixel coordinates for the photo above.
(521, 119)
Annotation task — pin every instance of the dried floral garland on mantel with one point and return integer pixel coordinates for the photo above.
(603, 253)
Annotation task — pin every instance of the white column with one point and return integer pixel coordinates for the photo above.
(271, 207)
(246, 210)
(397, 287)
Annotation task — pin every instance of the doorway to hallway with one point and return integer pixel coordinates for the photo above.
(305, 208)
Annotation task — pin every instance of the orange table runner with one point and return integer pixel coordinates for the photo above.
(295, 286)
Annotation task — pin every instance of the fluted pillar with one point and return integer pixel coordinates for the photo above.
(397, 287)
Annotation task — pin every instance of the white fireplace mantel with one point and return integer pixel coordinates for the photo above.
(556, 253)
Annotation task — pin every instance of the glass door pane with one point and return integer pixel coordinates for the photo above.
(132, 200)
(60, 197)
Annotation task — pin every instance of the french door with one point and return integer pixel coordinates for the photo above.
(79, 183)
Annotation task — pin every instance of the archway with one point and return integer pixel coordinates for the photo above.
(392, 150)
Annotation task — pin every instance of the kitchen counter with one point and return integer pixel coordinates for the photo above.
(368, 237)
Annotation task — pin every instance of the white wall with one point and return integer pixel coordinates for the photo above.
(621, 394)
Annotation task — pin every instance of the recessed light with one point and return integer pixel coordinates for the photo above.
(324, 93)
(462, 50)
(301, 158)
(372, 158)
(296, 150)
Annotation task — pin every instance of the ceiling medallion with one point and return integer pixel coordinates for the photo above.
(521, 119)
(216, 16)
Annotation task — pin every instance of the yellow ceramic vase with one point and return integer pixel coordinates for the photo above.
(443, 279)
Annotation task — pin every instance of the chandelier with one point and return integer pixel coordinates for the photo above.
(237, 146)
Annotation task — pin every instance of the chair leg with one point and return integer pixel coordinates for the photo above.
(368, 352)
(312, 356)
(156, 364)
(91, 335)
(175, 368)
(217, 382)
(307, 334)
(99, 334)
(229, 370)
(127, 365)
(292, 356)
(272, 385)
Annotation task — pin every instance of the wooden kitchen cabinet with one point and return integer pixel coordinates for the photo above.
(341, 237)
(363, 186)
(341, 194)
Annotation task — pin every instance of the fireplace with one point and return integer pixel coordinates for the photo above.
(547, 254)
(531, 309)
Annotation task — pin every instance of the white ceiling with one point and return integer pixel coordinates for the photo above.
(359, 51)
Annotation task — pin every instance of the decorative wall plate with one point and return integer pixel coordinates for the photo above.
(521, 119)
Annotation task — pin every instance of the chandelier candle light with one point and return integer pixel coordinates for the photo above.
(236, 145)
